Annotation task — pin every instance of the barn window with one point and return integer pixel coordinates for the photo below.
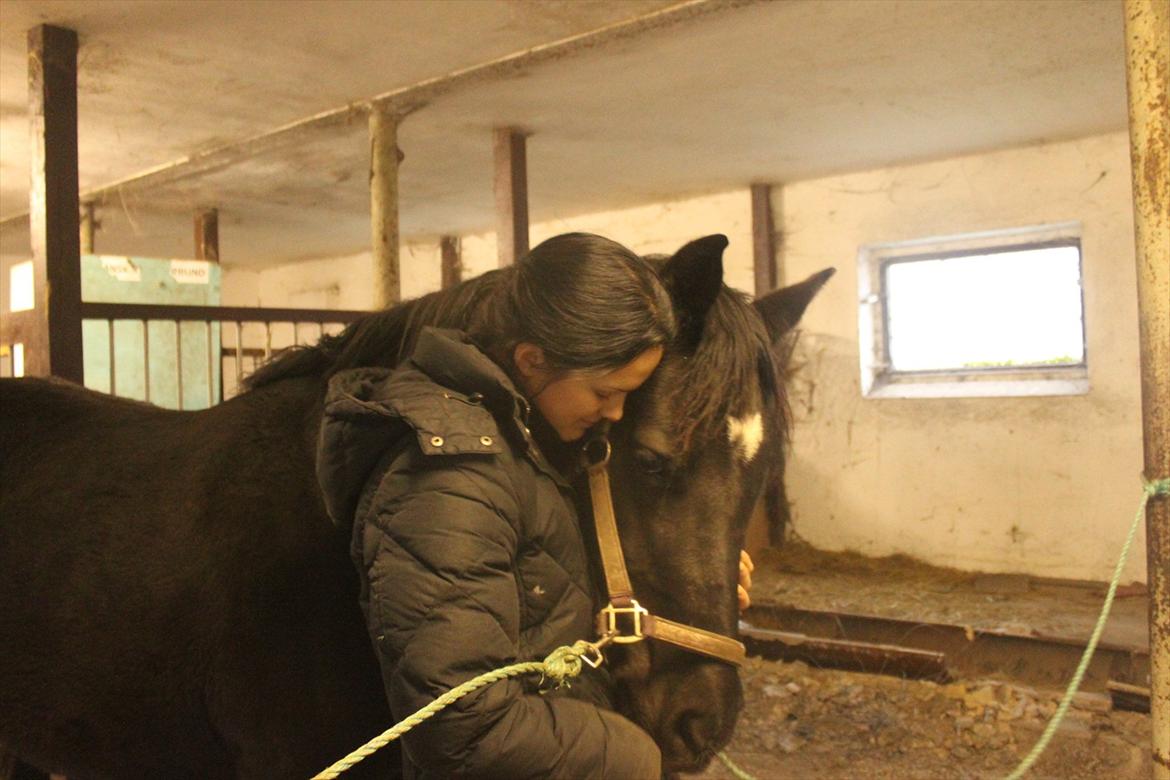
(989, 314)
(20, 286)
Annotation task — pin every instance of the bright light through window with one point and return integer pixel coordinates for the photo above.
(1007, 309)
(20, 286)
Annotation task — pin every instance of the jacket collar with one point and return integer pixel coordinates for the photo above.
(451, 359)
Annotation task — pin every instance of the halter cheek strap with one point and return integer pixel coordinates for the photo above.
(624, 620)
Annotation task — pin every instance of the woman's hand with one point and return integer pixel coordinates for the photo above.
(745, 580)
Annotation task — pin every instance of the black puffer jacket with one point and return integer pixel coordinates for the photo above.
(471, 558)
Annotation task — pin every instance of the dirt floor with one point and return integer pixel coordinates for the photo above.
(802, 722)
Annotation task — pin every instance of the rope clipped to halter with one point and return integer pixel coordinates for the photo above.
(560, 666)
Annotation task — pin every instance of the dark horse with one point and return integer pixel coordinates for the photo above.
(174, 601)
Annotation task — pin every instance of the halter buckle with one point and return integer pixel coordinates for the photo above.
(592, 652)
(633, 614)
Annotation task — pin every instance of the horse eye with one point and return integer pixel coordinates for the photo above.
(649, 461)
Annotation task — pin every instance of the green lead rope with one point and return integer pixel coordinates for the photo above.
(560, 665)
(566, 662)
(1159, 487)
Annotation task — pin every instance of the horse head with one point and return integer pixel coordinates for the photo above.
(700, 442)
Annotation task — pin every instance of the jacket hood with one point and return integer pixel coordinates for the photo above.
(444, 395)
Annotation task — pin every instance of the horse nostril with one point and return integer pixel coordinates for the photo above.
(697, 731)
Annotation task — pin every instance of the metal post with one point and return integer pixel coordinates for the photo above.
(384, 159)
(207, 235)
(451, 260)
(54, 220)
(1147, 45)
(511, 188)
(763, 240)
(88, 226)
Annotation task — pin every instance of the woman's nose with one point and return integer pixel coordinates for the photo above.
(612, 409)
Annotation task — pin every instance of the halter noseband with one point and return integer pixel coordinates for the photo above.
(623, 620)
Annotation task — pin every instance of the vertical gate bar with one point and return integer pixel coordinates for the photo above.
(110, 329)
(267, 341)
(296, 334)
(384, 159)
(146, 356)
(239, 355)
(210, 366)
(511, 190)
(179, 358)
(1147, 46)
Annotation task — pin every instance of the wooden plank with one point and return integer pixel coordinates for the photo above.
(451, 254)
(1132, 698)
(54, 347)
(869, 657)
(207, 235)
(511, 188)
(384, 159)
(763, 240)
(1147, 46)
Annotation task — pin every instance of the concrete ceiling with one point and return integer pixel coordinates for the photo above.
(727, 93)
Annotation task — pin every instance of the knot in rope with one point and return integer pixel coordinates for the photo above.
(565, 662)
(1156, 487)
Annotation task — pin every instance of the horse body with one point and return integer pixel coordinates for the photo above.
(174, 600)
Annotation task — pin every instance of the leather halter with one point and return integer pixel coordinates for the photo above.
(624, 620)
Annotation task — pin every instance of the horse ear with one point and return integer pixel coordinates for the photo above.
(694, 277)
(783, 308)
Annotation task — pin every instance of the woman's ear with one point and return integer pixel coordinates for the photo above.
(529, 361)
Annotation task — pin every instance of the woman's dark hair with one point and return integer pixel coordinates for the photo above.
(588, 303)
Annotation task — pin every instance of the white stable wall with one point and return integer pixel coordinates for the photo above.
(1044, 486)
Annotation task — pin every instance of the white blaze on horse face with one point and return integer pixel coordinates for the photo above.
(746, 434)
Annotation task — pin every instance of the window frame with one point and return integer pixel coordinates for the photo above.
(878, 377)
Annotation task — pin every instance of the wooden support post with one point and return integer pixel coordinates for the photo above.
(1147, 44)
(763, 240)
(384, 159)
(88, 227)
(452, 261)
(54, 346)
(511, 188)
(207, 235)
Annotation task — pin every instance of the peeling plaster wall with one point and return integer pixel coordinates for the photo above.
(1046, 486)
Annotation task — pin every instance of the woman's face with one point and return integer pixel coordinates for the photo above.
(573, 403)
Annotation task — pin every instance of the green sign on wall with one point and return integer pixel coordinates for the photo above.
(150, 359)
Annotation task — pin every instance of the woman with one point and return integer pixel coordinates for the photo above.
(464, 535)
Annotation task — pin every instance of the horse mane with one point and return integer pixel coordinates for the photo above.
(381, 338)
(734, 356)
